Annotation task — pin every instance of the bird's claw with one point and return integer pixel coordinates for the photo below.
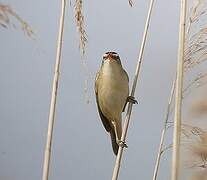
(122, 144)
(132, 100)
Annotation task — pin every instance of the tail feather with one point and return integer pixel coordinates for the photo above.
(115, 146)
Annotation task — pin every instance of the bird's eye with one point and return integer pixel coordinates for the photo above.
(105, 56)
(116, 56)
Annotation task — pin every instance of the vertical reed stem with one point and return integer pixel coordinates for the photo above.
(178, 95)
(129, 109)
(164, 132)
(54, 95)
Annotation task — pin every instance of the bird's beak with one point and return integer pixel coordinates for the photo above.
(110, 56)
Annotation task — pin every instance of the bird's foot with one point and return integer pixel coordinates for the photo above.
(122, 144)
(132, 100)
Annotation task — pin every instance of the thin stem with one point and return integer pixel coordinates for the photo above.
(54, 95)
(178, 97)
(156, 169)
(129, 109)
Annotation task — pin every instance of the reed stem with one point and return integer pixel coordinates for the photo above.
(129, 109)
(54, 95)
(178, 95)
(157, 165)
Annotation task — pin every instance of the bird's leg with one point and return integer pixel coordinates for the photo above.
(116, 133)
(132, 100)
(129, 99)
(124, 106)
(119, 141)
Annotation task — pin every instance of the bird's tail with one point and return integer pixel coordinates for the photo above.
(115, 146)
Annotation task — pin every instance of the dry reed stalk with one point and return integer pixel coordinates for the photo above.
(6, 12)
(160, 151)
(80, 25)
(195, 54)
(178, 95)
(129, 109)
(54, 94)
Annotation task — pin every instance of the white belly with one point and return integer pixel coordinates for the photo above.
(113, 91)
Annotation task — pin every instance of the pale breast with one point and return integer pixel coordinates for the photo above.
(113, 90)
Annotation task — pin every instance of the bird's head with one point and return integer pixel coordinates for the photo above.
(111, 56)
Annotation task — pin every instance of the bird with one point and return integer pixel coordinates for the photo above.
(112, 92)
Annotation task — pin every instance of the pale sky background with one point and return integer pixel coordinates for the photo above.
(81, 147)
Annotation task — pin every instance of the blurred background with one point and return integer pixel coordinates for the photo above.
(81, 147)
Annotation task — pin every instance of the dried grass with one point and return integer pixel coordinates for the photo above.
(6, 13)
(195, 140)
(80, 25)
(195, 13)
(196, 51)
(82, 44)
(196, 41)
(196, 45)
(199, 81)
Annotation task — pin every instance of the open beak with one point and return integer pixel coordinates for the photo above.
(110, 56)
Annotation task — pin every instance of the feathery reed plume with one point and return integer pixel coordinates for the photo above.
(196, 46)
(54, 94)
(195, 54)
(82, 43)
(196, 42)
(130, 2)
(86, 81)
(199, 81)
(200, 106)
(130, 105)
(80, 25)
(196, 144)
(178, 96)
(6, 12)
(194, 14)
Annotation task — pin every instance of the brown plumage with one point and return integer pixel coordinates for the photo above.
(111, 88)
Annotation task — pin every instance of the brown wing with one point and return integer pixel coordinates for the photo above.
(128, 92)
(104, 120)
